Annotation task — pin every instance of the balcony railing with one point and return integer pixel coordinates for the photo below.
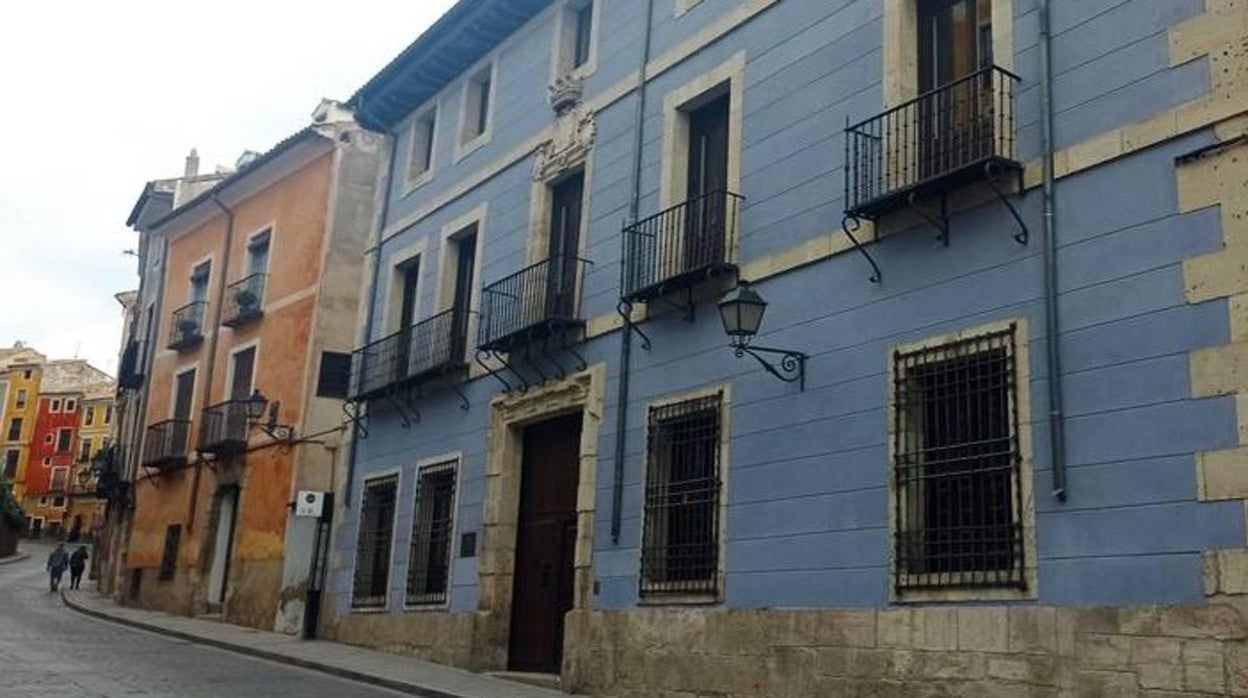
(243, 299)
(223, 430)
(428, 348)
(187, 328)
(165, 444)
(937, 142)
(536, 302)
(680, 247)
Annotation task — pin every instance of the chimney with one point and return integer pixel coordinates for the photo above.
(192, 164)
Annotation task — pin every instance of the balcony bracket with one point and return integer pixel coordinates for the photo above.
(464, 404)
(560, 371)
(402, 405)
(352, 410)
(850, 224)
(582, 364)
(481, 357)
(993, 174)
(687, 308)
(940, 223)
(527, 357)
(625, 309)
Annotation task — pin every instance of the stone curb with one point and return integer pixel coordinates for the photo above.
(13, 558)
(331, 669)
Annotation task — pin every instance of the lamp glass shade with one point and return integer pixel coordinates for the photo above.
(742, 309)
(256, 404)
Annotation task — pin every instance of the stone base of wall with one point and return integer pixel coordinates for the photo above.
(930, 651)
(168, 595)
(465, 640)
(254, 593)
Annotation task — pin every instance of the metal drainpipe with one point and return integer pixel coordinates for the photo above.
(1052, 324)
(626, 335)
(206, 399)
(372, 290)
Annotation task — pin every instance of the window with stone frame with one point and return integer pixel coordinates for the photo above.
(169, 555)
(681, 540)
(373, 545)
(60, 479)
(429, 565)
(64, 440)
(956, 469)
(15, 429)
(420, 151)
(11, 457)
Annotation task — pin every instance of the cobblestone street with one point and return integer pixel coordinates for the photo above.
(46, 649)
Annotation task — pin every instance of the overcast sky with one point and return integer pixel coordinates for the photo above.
(100, 97)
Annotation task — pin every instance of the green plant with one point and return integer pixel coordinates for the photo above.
(10, 509)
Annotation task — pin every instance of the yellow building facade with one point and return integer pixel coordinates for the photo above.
(17, 420)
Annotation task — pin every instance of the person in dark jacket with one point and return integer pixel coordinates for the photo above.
(77, 563)
(57, 562)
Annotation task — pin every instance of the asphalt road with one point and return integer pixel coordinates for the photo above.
(46, 649)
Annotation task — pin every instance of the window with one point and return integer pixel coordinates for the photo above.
(20, 402)
(956, 465)
(69, 406)
(88, 418)
(372, 561)
(55, 406)
(47, 462)
(47, 438)
(576, 37)
(58, 501)
(43, 501)
(258, 253)
(429, 565)
(169, 557)
(10, 464)
(60, 479)
(420, 154)
(15, 429)
(64, 440)
(26, 374)
(199, 283)
(334, 379)
(108, 414)
(477, 100)
(84, 454)
(680, 546)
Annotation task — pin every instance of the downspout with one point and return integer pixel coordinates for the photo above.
(626, 335)
(352, 448)
(1052, 324)
(206, 398)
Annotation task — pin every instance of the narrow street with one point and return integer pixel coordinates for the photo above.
(46, 649)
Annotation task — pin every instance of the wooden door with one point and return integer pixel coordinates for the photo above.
(707, 184)
(564, 244)
(545, 544)
(955, 40)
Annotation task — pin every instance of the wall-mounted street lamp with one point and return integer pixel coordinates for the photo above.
(742, 310)
(256, 405)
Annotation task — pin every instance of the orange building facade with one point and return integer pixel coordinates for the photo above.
(262, 279)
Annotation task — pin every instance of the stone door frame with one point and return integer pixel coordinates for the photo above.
(581, 392)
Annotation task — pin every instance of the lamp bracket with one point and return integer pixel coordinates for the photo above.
(791, 368)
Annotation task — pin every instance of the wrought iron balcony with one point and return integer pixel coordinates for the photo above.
(223, 429)
(429, 348)
(187, 329)
(680, 247)
(532, 305)
(243, 299)
(165, 444)
(942, 140)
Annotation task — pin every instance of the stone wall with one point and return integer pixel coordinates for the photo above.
(930, 651)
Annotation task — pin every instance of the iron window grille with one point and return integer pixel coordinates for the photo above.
(957, 465)
(169, 556)
(372, 562)
(680, 545)
(429, 566)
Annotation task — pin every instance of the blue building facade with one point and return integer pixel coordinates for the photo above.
(574, 185)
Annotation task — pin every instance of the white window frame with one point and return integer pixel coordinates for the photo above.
(564, 48)
(457, 457)
(467, 142)
(394, 527)
(412, 181)
(70, 405)
(448, 261)
(229, 367)
(394, 293)
(173, 389)
(54, 406)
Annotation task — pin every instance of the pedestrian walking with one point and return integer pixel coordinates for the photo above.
(77, 563)
(58, 560)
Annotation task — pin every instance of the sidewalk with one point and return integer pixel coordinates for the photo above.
(405, 674)
(16, 557)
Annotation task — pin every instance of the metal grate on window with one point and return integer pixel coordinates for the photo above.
(169, 556)
(372, 561)
(429, 567)
(680, 545)
(957, 462)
